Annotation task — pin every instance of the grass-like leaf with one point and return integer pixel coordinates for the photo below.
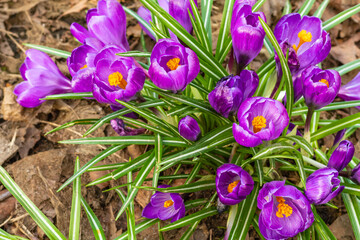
(339, 18)
(224, 27)
(306, 7)
(139, 19)
(352, 205)
(81, 95)
(49, 50)
(94, 221)
(41, 220)
(344, 69)
(134, 54)
(73, 123)
(187, 188)
(74, 228)
(320, 10)
(206, 6)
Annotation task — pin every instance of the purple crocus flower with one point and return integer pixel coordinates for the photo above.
(165, 206)
(116, 78)
(285, 211)
(339, 135)
(260, 119)
(120, 128)
(247, 33)
(107, 23)
(81, 65)
(233, 184)
(232, 90)
(189, 128)
(355, 174)
(41, 78)
(173, 66)
(178, 9)
(342, 155)
(305, 38)
(350, 91)
(319, 87)
(323, 185)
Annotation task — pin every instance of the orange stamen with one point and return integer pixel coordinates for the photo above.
(232, 186)
(168, 203)
(258, 123)
(283, 209)
(325, 81)
(173, 63)
(304, 37)
(116, 79)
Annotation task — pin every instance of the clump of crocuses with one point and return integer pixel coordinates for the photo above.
(232, 90)
(173, 66)
(189, 128)
(247, 33)
(323, 185)
(41, 78)
(260, 119)
(165, 206)
(285, 211)
(320, 87)
(342, 155)
(233, 184)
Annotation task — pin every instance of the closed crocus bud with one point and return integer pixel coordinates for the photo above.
(342, 155)
(233, 184)
(116, 78)
(165, 206)
(320, 87)
(189, 128)
(260, 119)
(350, 91)
(339, 135)
(173, 66)
(247, 33)
(232, 90)
(41, 78)
(285, 211)
(323, 185)
(120, 128)
(355, 174)
(107, 23)
(81, 65)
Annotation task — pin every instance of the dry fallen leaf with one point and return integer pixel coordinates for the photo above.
(75, 9)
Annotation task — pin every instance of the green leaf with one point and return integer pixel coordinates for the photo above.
(139, 228)
(344, 69)
(107, 152)
(301, 142)
(94, 221)
(74, 228)
(140, 178)
(339, 18)
(206, 6)
(284, 66)
(330, 107)
(244, 215)
(40, 219)
(49, 50)
(178, 30)
(146, 126)
(336, 126)
(72, 123)
(81, 95)
(186, 188)
(139, 19)
(258, 5)
(352, 205)
(321, 228)
(306, 7)
(190, 219)
(134, 54)
(320, 10)
(224, 27)
(287, 8)
(6, 236)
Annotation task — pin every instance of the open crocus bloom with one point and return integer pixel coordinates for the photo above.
(247, 33)
(323, 185)
(307, 42)
(350, 91)
(107, 23)
(41, 78)
(342, 155)
(173, 66)
(233, 184)
(232, 90)
(81, 65)
(285, 211)
(319, 87)
(260, 119)
(116, 78)
(165, 206)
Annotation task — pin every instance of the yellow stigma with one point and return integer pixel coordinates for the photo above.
(232, 186)
(325, 81)
(173, 63)
(283, 209)
(85, 66)
(304, 37)
(258, 123)
(168, 203)
(116, 79)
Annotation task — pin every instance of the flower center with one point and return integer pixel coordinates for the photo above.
(283, 209)
(232, 186)
(173, 63)
(304, 37)
(258, 123)
(85, 66)
(168, 203)
(325, 81)
(116, 79)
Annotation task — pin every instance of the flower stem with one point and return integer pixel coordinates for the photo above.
(307, 133)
